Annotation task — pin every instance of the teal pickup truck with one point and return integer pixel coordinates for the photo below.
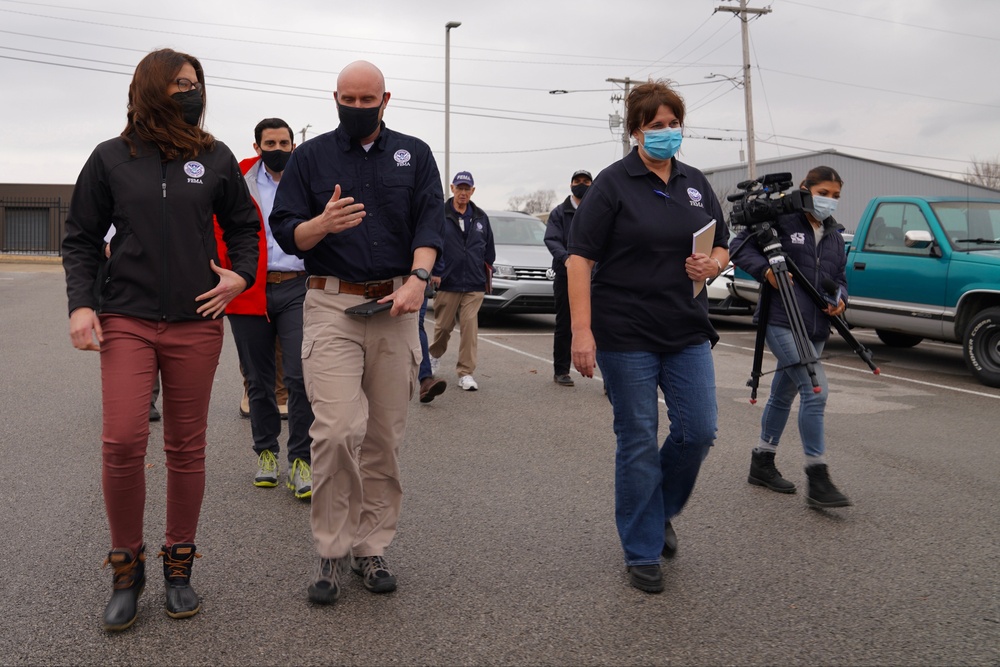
(926, 267)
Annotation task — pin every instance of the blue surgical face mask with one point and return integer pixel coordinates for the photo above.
(662, 144)
(823, 207)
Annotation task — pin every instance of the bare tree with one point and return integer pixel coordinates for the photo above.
(539, 201)
(984, 172)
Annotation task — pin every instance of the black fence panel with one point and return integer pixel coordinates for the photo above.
(32, 226)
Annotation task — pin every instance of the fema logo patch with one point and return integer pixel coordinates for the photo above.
(402, 158)
(479, 227)
(695, 197)
(798, 238)
(194, 169)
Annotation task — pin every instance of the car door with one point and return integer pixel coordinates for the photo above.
(895, 287)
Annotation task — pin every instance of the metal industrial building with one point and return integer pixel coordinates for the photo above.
(863, 180)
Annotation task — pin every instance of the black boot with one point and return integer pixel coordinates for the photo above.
(763, 473)
(822, 492)
(130, 579)
(182, 601)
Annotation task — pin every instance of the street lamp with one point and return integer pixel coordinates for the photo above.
(447, 97)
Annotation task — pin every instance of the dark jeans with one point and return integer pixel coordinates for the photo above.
(653, 482)
(255, 337)
(562, 341)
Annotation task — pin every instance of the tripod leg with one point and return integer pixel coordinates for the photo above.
(807, 354)
(758, 350)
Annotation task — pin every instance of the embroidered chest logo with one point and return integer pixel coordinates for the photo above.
(798, 238)
(194, 170)
(695, 197)
(479, 227)
(402, 158)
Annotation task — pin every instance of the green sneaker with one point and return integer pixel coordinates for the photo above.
(300, 479)
(267, 470)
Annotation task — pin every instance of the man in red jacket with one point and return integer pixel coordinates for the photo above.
(270, 312)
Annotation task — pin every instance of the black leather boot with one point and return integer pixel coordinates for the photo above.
(130, 579)
(182, 601)
(822, 492)
(764, 473)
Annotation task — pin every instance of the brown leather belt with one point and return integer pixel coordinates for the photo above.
(372, 290)
(281, 276)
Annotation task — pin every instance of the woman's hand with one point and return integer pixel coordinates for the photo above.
(84, 327)
(700, 266)
(835, 311)
(584, 352)
(231, 285)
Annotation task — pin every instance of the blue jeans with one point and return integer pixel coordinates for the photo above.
(425, 360)
(789, 379)
(653, 483)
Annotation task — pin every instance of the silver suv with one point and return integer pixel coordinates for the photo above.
(522, 272)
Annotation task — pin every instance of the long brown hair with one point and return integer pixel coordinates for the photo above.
(154, 116)
(820, 175)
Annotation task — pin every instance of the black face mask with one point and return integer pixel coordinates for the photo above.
(358, 123)
(579, 190)
(275, 160)
(191, 105)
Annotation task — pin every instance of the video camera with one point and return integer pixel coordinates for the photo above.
(761, 201)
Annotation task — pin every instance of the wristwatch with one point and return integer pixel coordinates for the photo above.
(422, 274)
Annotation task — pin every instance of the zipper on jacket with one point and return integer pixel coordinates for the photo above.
(163, 227)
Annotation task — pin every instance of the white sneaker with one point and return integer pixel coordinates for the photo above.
(435, 364)
(467, 383)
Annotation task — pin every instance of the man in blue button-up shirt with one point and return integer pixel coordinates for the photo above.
(363, 206)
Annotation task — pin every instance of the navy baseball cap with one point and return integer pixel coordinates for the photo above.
(581, 172)
(463, 178)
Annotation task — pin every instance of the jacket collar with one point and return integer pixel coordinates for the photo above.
(450, 212)
(345, 142)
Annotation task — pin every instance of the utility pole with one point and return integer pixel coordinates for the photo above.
(304, 132)
(625, 144)
(744, 12)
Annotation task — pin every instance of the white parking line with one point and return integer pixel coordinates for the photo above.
(888, 376)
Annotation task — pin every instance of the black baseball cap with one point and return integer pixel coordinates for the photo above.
(581, 172)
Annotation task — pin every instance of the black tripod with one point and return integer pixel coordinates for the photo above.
(766, 237)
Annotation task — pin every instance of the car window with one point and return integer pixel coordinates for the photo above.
(969, 224)
(511, 230)
(891, 222)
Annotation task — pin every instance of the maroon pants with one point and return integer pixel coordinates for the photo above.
(186, 355)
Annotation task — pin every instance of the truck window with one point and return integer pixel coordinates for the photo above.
(969, 221)
(892, 220)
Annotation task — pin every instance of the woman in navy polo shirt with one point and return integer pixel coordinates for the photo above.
(640, 319)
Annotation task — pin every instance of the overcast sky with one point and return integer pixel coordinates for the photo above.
(900, 81)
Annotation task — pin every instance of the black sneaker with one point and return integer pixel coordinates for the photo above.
(326, 588)
(669, 541)
(563, 379)
(648, 578)
(375, 573)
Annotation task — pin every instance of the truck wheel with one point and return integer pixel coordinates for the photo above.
(982, 347)
(896, 339)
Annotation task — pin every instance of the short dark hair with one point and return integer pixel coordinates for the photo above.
(271, 124)
(820, 175)
(644, 103)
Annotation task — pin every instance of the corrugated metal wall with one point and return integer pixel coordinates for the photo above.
(863, 180)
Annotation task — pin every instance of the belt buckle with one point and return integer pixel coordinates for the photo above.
(372, 289)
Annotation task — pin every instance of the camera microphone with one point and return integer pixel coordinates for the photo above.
(770, 179)
(831, 292)
(746, 185)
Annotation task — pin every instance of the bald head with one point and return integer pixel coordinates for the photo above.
(361, 74)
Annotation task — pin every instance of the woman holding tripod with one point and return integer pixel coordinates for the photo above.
(812, 241)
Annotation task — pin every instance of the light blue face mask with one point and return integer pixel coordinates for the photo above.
(823, 207)
(662, 144)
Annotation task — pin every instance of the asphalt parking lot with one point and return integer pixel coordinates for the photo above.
(506, 551)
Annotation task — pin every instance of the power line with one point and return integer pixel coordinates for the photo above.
(316, 48)
(882, 20)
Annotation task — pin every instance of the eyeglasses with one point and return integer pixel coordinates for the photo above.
(184, 85)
